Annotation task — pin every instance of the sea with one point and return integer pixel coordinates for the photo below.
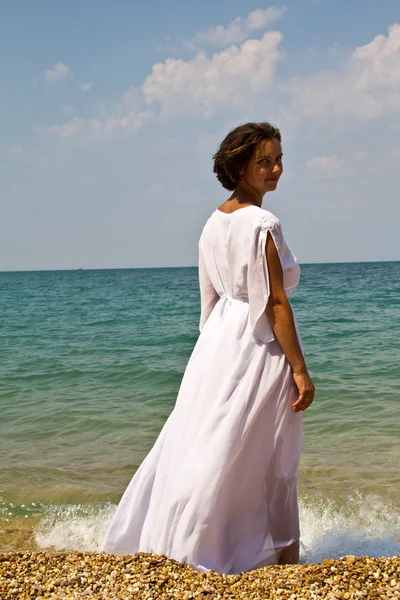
(90, 366)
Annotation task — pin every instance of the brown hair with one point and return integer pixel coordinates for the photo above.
(237, 149)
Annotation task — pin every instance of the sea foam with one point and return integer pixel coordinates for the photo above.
(363, 526)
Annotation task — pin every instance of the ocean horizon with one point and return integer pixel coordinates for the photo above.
(348, 262)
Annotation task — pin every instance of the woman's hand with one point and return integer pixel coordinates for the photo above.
(306, 390)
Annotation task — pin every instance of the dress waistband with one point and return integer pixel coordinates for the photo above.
(230, 298)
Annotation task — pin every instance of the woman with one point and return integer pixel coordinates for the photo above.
(218, 488)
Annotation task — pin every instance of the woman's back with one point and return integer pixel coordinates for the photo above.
(232, 263)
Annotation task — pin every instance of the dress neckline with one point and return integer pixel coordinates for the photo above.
(234, 211)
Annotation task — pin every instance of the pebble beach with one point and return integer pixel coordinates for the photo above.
(43, 575)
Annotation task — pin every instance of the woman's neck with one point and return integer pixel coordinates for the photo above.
(244, 194)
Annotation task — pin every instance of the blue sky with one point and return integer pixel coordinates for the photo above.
(110, 113)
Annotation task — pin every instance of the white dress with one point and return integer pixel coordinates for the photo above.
(218, 488)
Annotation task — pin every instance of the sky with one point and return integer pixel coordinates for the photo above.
(110, 113)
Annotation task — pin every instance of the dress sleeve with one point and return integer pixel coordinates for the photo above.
(257, 276)
(208, 295)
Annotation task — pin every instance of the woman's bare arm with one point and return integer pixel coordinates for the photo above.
(280, 315)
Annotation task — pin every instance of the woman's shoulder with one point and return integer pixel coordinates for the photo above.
(264, 218)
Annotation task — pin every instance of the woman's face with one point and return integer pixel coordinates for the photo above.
(265, 167)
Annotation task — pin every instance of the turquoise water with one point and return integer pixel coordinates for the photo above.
(90, 366)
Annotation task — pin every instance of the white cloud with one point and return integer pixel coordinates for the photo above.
(239, 29)
(74, 127)
(327, 166)
(92, 128)
(198, 86)
(85, 87)
(377, 64)
(128, 115)
(367, 86)
(57, 72)
(204, 84)
(241, 79)
(258, 19)
(221, 35)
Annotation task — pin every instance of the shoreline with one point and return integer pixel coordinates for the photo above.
(97, 575)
